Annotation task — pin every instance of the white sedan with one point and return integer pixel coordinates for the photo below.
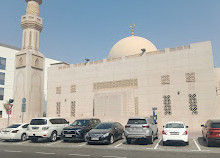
(175, 131)
(14, 132)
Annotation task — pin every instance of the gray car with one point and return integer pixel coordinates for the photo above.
(141, 128)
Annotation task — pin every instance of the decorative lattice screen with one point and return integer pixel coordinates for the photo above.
(167, 105)
(73, 109)
(58, 109)
(193, 103)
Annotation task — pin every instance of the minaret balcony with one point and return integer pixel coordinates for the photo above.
(31, 21)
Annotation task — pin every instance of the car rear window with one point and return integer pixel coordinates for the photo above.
(14, 126)
(38, 122)
(174, 125)
(137, 121)
(215, 125)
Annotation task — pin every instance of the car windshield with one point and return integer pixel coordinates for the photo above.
(14, 126)
(80, 123)
(137, 121)
(215, 125)
(38, 122)
(104, 126)
(174, 125)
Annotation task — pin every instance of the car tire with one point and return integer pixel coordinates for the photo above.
(164, 143)
(187, 143)
(65, 141)
(53, 136)
(23, 137)
(34, 140)
(151, 139)
(128, 140)
(111, 139)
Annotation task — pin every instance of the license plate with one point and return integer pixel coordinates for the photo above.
(94, 138)
(68, 135)
(174, 133)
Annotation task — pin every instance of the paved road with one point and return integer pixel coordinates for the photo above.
(119, 149)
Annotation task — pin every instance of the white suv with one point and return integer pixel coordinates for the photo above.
(50, 128)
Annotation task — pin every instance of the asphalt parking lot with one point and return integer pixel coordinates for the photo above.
(195, 145)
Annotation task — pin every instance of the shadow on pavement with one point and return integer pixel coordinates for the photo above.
(202, 142)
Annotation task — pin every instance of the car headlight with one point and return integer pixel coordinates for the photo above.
(106, 135)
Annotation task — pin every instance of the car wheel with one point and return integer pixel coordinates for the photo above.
(164, 143)
(53, 136)
(187, 143)
(151, 140)
(111, 140)
(34, 140)
(23, 137)
(208, 143)
(128, 140)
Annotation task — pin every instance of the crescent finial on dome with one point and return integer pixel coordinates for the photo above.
(132, 27)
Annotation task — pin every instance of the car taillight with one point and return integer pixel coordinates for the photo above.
(163, 133)
(185, 133)
(127, 126)
(15, 131)
(144, 126)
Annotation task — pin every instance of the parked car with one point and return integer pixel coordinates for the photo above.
(15, 132)
(78, 129)
(49, 128)
(175, 131)
(141, 128)
(211, 132)
(106, 133)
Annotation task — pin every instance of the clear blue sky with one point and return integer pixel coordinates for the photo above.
(78, 29)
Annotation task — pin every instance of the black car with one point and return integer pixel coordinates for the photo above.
(78, 129)
(106, 133)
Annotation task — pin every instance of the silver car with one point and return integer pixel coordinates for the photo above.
(141, 128)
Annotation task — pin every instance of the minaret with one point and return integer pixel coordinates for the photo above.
(29, 68)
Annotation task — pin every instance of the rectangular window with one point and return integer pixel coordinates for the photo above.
(0, 114)
(2, 63)
(2, 78)
(1, 93)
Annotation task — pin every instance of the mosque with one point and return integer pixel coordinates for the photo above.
(181, 82)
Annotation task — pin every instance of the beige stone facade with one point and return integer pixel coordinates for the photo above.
(179, 81)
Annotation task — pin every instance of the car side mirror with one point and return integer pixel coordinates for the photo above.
(187, 126)
(68, 122)
(202, 125)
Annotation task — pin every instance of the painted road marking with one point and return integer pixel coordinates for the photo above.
(54, 143)
(44, 153)
(114, 156)
(79, 155)
(82, 144)
(10, 151)
(197, 145)
(117, 146)
(158, 143)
